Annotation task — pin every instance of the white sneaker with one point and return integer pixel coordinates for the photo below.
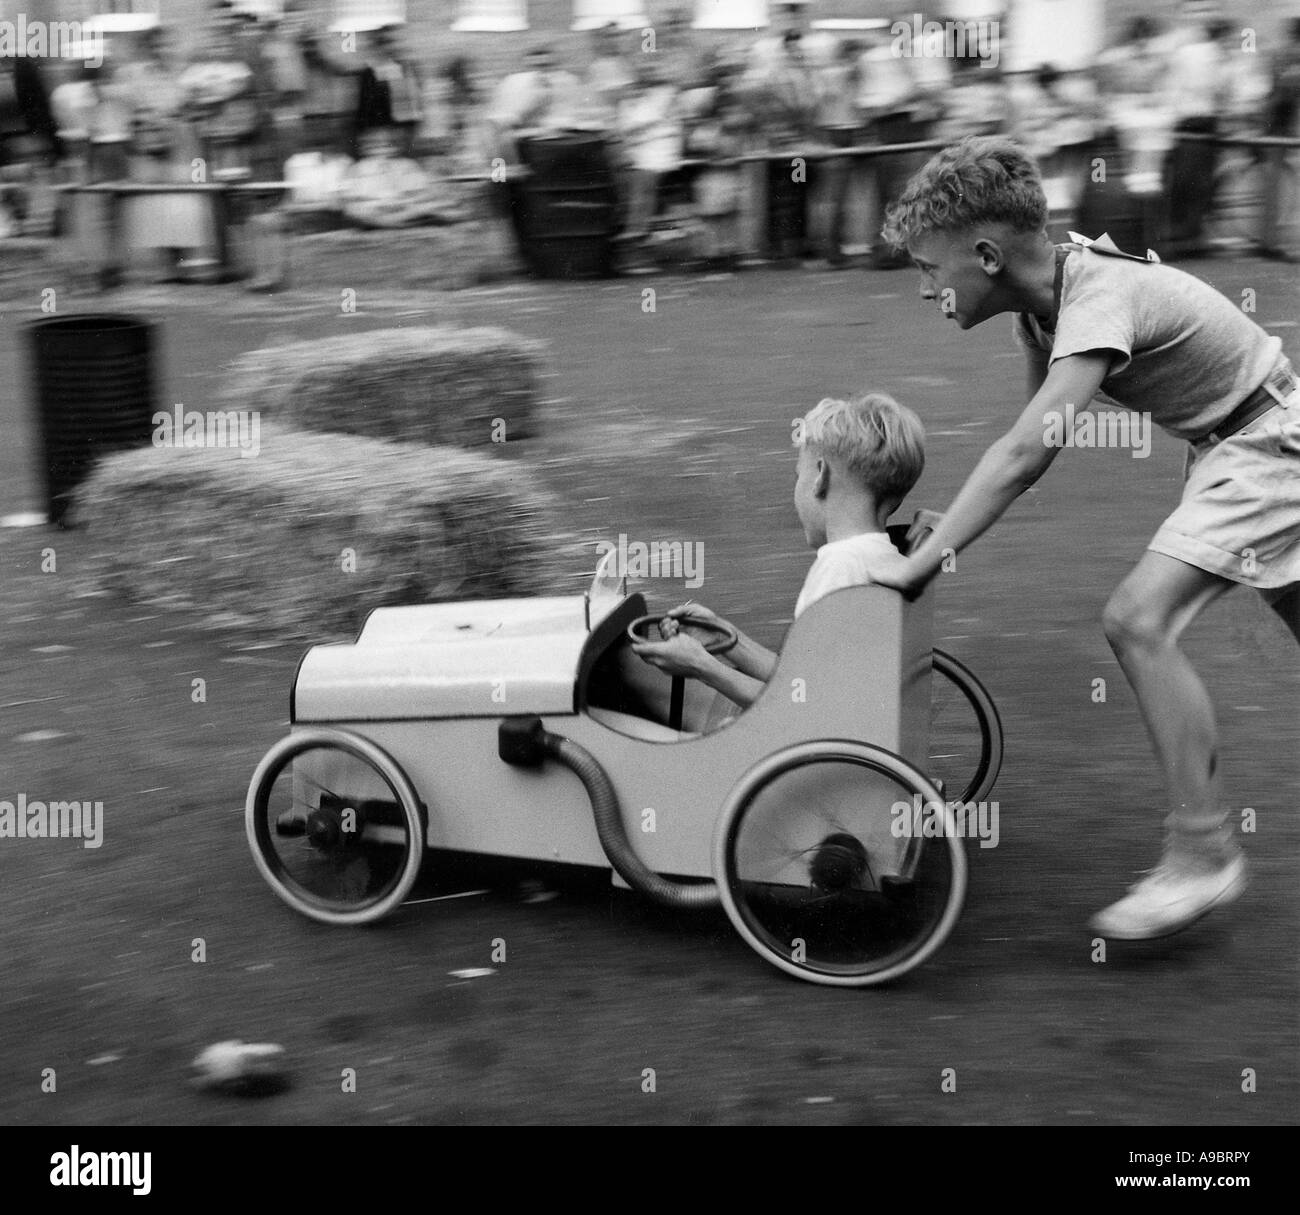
(1170, 897)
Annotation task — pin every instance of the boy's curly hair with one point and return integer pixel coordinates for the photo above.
(880, 442)
(984, 179)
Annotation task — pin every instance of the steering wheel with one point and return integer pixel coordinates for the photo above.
(726, 640)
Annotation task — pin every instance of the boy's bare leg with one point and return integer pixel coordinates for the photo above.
(1144, 620)
(650, 691)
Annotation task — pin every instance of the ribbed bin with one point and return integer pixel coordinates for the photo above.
(94, 391)
(570, 207)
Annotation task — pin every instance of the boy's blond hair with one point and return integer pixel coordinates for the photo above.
(983, 179)
(879, 441)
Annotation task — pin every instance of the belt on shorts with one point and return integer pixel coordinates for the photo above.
(1275, 390)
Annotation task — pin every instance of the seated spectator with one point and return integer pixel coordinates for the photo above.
(386, 190)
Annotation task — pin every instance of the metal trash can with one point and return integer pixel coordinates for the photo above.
(569, 206)
(93, 382)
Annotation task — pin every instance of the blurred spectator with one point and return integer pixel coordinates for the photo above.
(683, 59)
(388, 96)
(1245, 83)
(162, 147)
(1282, 107)
(896, 102)
(95, 117)
(27, 126)
(217, 96)
(784, 92)
(1133, 81)
(386, 190)
(1135, 66)
(1282, 119)
(1056, 119)
(719, 124)
(149, 83)
(29, 139)
(1049, 112)
(651, 134)
(288, 84)
(539, 100)
(976, 103)
(820, 49)
(450, 106)
(609, 75)
(389, 90)
(1198, 91)
(840, 124)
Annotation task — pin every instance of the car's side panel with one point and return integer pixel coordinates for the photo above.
(855, 665)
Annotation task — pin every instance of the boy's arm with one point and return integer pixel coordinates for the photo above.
(1009, 467)
(1036, 371)
(682, 655)
(732, 682)
(750, 658)
(747, 656)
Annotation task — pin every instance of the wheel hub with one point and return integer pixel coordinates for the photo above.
(838, 862)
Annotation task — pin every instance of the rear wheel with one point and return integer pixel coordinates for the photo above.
(839, 863)
(965, 733)
(335, 826)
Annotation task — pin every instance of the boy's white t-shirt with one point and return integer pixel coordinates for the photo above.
(842, 563)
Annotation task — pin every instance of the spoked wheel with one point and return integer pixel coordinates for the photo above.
(335, 826)
(839, 863)
(965, 733)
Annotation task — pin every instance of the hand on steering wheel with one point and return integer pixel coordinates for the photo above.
(725, 637)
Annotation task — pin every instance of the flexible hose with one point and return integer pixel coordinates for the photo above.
(609, 827)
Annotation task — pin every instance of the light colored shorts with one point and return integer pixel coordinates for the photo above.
(1240, 512)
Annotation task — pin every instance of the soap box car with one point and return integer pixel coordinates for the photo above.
(502, 727)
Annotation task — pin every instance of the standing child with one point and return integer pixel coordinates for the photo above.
(1152, 338)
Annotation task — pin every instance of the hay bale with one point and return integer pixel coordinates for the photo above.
(431, 385)
(302, 540)
(452, 258)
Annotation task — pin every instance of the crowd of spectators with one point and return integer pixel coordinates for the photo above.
(247, 100)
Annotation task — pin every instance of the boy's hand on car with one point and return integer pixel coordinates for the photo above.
(680, 654)
(925, 521)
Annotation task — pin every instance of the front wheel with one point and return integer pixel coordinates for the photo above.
(335, 826)
(839, 863)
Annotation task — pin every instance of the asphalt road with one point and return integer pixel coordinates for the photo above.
(670, 424)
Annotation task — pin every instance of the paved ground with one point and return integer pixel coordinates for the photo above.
(682, 417)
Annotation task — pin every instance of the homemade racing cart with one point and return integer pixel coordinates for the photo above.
(827, 814)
